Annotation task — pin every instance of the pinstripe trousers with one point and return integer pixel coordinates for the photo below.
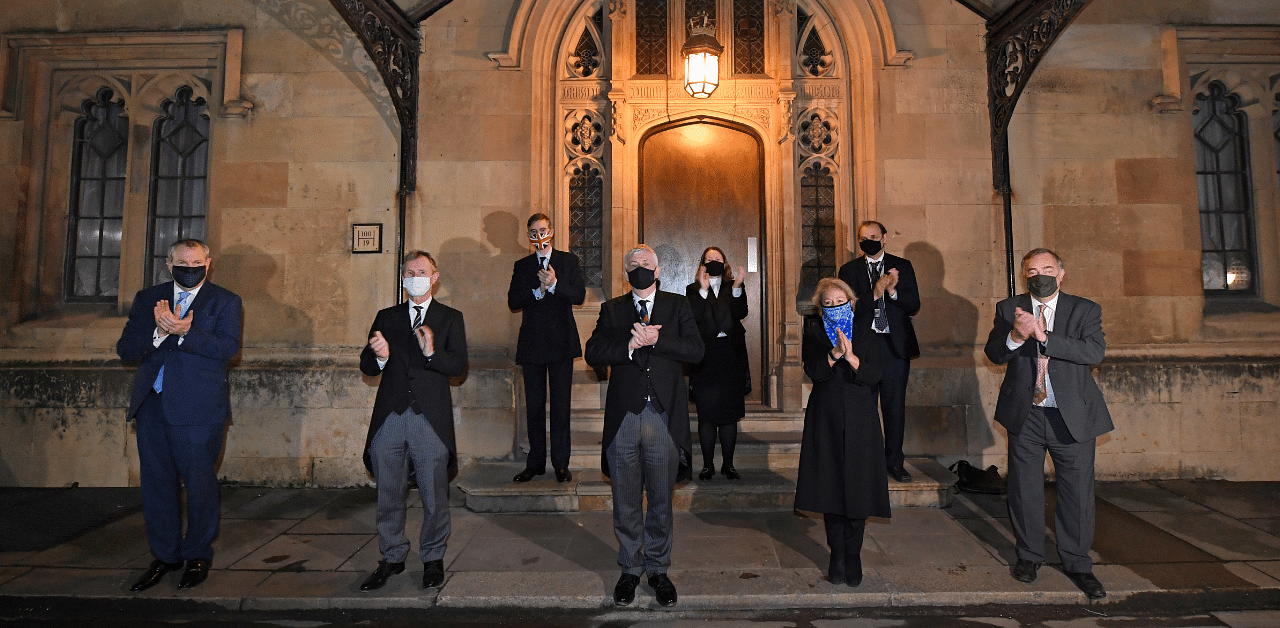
(406, 437)
(643, 460)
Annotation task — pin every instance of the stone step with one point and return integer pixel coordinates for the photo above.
(487, 487)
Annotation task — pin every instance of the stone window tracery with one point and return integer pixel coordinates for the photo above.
(818, 227)
(748, 36)
(586, 220)
(651, 37)
(1223, 180)
(99, 166)
(179, 170)
(584, 140)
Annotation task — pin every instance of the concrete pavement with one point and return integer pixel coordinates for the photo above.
(284, 548)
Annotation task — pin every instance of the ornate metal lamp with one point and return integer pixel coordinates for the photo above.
(701, 58)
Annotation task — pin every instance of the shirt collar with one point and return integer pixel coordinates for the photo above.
(191, 292)
(425, 305)
(716, 281)
(1052, 304)
(876, 260)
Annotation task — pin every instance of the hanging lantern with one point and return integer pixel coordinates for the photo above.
(701, 58)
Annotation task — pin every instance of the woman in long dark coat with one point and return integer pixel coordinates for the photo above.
(719, 383)
(842, 451)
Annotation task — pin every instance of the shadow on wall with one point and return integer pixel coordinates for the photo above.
(949, 418)
(475, 281)
(268, 321)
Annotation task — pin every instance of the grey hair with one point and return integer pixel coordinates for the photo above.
(412, 255)
(640, 248)
(188, 243)
(1041, 251)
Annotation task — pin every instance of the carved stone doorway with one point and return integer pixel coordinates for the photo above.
(702, 184)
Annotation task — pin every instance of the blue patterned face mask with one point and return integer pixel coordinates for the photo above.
(838, 317)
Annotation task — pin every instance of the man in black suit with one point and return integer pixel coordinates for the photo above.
(644, 336)
(544, 287)
(416, 346)
(886, 289)
(181, 403)
(1050, 401)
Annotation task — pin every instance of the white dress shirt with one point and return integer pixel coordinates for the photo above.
(635, 304)
(543, 261)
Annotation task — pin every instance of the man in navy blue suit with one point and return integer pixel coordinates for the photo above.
(181, 333)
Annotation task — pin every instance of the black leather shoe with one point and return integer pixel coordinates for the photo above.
(1025, 570)
(664, 592)
(432, 574)
(706, 474)
(1088, 583)
(379, 576)
(730, 473)
(197, 571)
(563, 475)
(900, 474)
(624, 592)
(527, 474)
(154, 574)
(684, 472)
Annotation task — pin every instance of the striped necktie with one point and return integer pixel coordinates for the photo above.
(182, 303)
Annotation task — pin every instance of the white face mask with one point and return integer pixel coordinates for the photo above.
(416, 286)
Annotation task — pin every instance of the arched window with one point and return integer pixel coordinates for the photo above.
(179, 168)
(99, 166)
(1228, 253)
(818, 226)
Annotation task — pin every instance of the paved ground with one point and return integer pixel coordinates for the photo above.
(1181, 545)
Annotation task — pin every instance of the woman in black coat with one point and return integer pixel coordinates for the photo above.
(842, 451)
(719, 383)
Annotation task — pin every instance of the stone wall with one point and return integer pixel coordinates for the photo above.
(303, 421)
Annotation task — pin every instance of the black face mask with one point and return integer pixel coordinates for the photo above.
(188, 276)
(714, 268)
(640, 277)
(870, 247)
(1042, 286)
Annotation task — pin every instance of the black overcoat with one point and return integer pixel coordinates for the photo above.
(842, 465)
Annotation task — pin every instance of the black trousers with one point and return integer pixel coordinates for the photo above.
(893, 401)
(558, 376)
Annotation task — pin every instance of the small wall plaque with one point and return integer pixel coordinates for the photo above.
(366, 238)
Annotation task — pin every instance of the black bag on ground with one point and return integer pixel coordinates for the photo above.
(975, 480)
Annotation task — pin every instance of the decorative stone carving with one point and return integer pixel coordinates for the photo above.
(584, 132)
(759, 114)
(617, 9)
(641, 116)
(816, 132)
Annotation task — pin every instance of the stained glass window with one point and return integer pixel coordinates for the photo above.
(586, 222)
(818, 227)
(748, 36)
(1227, 256)
(179, 166)
(651, 37)
(97, 200)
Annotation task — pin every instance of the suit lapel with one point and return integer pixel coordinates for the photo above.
(1066, 305)
(202, 297)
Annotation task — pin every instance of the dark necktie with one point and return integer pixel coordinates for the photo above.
(881, 322)
(643, 306)
(542, 262)
(417, 319)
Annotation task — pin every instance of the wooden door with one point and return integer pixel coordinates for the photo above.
(702, 184)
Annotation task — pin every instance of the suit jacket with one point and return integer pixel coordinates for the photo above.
(410, 379)
(658, 366)
(902, 334)
(1074, 346)
(720, 313)
(548, 333)
(195, 371)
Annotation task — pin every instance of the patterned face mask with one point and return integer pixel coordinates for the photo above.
(838, 317)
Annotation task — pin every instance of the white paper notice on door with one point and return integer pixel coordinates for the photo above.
(753, 256)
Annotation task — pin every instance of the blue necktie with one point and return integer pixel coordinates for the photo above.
(182, 300)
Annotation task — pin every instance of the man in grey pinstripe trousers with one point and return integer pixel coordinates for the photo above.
(642, 337)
